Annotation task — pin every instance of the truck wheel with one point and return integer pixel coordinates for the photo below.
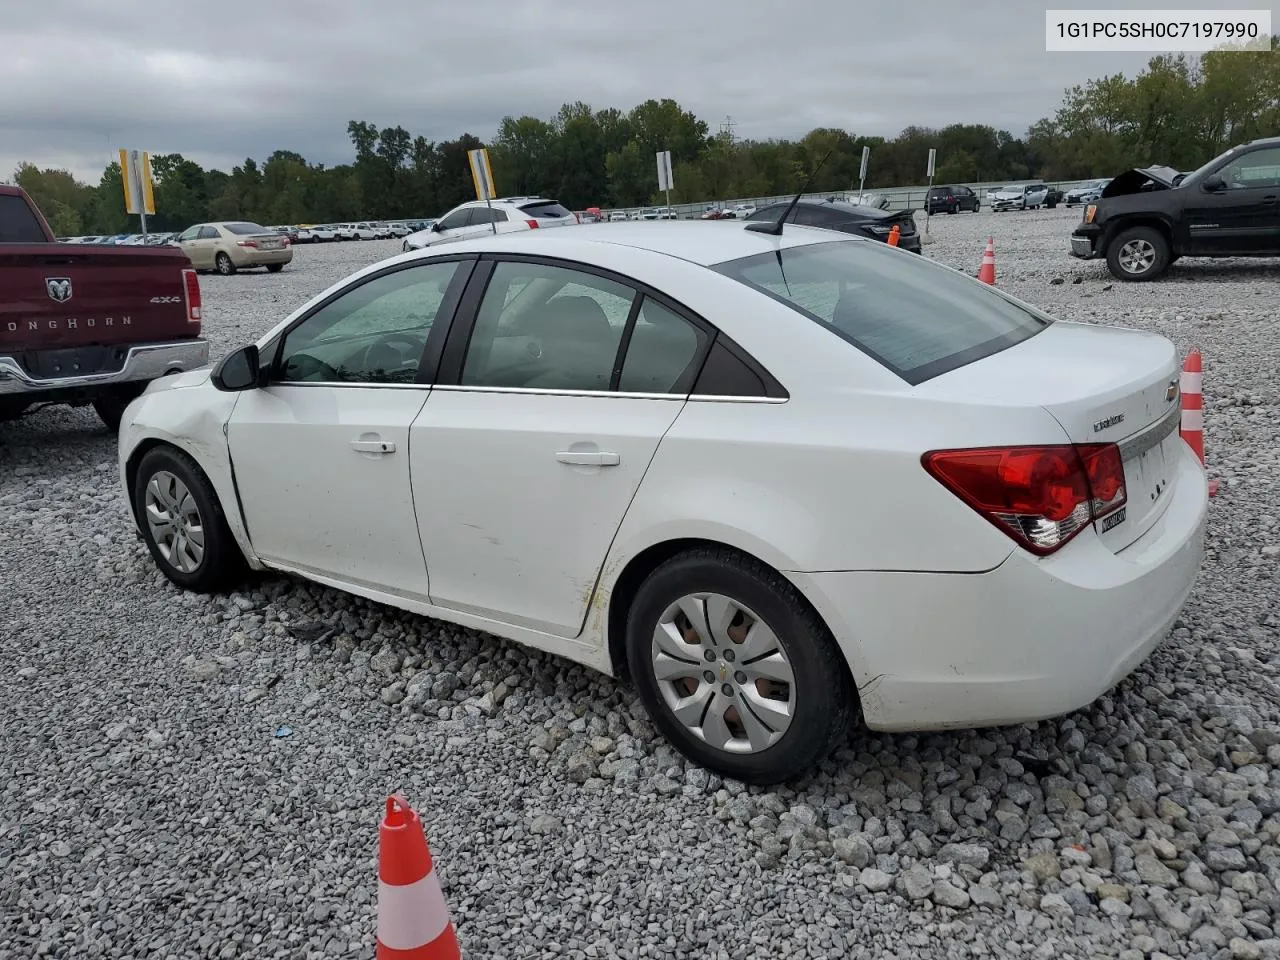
(111, 408)
(224, 264)
(1139, 253)
(182, 522)
(11, 409)
(735, 669)
(274, 267)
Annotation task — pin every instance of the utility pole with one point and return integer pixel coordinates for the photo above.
(726, 129)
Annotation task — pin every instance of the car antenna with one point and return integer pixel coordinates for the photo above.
(775, 228)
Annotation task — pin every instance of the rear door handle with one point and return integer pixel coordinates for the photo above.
(1269, 198)
(588, 458)
(373, 446)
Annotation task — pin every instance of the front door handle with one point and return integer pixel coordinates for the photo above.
(1269, 198)
(588, 458)
(373, 446)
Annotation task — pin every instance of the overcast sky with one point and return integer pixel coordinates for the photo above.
(222, 81)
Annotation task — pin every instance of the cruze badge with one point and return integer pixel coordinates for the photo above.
(1110, 421)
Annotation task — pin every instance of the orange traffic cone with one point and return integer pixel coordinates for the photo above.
(413, 919)
(894, 235)
(987, 272)
(1193, 408)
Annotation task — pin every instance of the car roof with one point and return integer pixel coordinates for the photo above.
(704, 242)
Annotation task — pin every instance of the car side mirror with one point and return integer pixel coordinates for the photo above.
(238, 370)
(1214, 182)
(435, 227)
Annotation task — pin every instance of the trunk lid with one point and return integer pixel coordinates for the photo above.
(1102, 385)
(57, 295)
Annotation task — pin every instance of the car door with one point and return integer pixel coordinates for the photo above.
(321, 452)
(537, 436)
(1240, 211)
(453, 227)
(187, 242)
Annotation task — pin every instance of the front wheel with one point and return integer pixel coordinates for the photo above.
(1139, 253)
(182, 522)
(736, 670)
(222, 262)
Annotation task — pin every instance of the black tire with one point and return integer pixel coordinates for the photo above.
(12, 408)
(953, 210)
(222, 263)
(274, 267)
(1149, 242)
(825, 699)
(222, 561)
(110, 410)
(977, 207)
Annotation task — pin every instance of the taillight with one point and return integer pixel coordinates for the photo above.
(533, 224)
(247, 243)
(191, 287)
(1040, 496)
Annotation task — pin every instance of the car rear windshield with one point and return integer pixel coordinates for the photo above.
(917, 318)
(546, 210)
(17, 223)
(244, 229)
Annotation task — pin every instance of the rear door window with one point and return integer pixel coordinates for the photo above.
(917, 318)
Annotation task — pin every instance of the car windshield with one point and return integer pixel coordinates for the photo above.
(1200, 172)
(244, 229)
(917, 318)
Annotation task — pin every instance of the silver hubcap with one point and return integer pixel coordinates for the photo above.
(1137, 256)
(723, 673)
(174, 521)
(224, 264)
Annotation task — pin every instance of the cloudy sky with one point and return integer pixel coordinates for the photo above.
(219, 81)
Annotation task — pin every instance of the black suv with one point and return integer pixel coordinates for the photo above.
(1146, 219)
(846, 217)
(951, 200)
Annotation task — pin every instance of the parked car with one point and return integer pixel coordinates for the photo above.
(399, 230)
(1146, 219)
(1053, 198)
(1028, 196)
(649, 213)
(316, 234)
(951, 199)
(228, 246)
(711, 212)
(618, 216)
(476, 217)
(90, 327)
(1042, 557)
(871, 222)
(1086, 192)
(286, 231)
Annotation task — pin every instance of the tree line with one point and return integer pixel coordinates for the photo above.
(1178, 111)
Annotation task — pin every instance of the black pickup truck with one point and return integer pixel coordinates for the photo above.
(1146, 219)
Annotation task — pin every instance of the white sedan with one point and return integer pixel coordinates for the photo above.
(779, 481)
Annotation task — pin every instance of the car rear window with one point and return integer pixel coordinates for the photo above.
(244, 229)
(915, 317)
(17, 223)
(546, 210)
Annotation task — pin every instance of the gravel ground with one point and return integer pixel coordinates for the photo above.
(195, 777)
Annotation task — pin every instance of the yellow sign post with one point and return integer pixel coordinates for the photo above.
(482, 177)
(139, 193)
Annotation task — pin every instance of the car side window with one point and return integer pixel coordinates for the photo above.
(560, 331)
(456, 219)
(188, 234)
(208, 233)
(662, 353)
(1258, 169)
(808, 216)
(373, 333)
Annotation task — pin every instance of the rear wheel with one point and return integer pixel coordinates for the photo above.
(182, 522)
(11, 409)
(735, 668)
(1139, 253)
(222, 262)
(274, 267)
(111, 408)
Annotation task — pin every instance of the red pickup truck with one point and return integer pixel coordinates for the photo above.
(89, 323)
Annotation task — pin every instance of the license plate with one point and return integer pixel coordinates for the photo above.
(1147, 480)
(270, 244)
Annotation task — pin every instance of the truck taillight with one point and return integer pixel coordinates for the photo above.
(191, 287)
(533, 224)
(1040, 496)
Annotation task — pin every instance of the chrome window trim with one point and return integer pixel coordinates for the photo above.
(529, 391)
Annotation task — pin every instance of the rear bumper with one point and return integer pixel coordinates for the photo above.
(248, 257)
(145, 361)
(1031, 639)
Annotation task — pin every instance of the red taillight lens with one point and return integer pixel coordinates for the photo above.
(533, 224)
(247, 243)
(191, 287)
(1040, 496)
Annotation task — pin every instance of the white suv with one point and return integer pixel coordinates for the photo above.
(476, 218)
